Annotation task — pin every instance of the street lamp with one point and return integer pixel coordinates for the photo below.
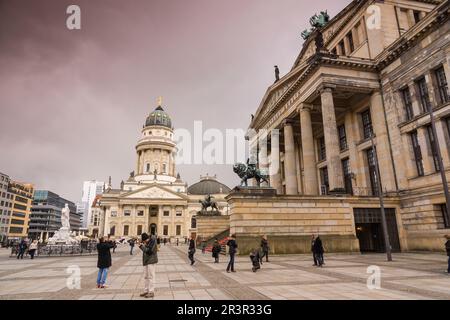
(387, 243)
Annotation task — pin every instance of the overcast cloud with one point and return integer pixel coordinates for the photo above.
(72, 103)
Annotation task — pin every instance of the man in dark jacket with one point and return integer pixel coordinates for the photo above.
(318, 250)
(104, 261)
(191, 250)
(149, 261)
(264, 249)
(313, 239)
(447, 248)
(131, 242)
(216, 251)
(232, 245)
(22, 248)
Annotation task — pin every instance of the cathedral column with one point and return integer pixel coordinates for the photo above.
(274, 170)
(382, 140)
(289, 159)
(310, 186)
(335, 176)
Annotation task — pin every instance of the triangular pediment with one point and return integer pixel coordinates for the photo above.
(154, 192)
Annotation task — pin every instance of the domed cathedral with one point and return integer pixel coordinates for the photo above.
(154, 199)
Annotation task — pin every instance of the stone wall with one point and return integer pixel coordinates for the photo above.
(290, 221)
(209, 226)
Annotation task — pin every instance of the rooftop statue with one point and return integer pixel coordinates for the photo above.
(316, 22)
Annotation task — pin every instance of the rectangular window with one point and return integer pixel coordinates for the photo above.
(140, 213)
(416, 16)
(113, 213)
(139, 230)
(445, 216)
(433, 146)
(166, 213)
(19, 206)
(324, 181)
(367, 124)
(15, 230)
(423, 94)
(342, 138)
(165, 230)
(342, 47)
(417, 153)
(442, 85)
(112, 231)
(127, 213)
(178, 230)
(351, 44)
(347, 176)
(179, 213)
(372, 171)
(17, 221)
(407, 102)
(322, 149)
(21, 199)
(126, 229)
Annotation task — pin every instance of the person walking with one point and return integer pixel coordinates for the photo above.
(165, 240)
(104, 260)
(447, 248)
(132, 243)
(33, 248)
(177, 242)
(191, 250)
(149, 261)
(318, 250)
(204, 247)
(232, 245)
(22, 248)
(264, 249)
(313, 239)
(216, 249)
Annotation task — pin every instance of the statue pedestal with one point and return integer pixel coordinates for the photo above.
(254, 191)
(62, 236)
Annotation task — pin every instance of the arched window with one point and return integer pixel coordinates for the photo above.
(164, 168)
(148, 167)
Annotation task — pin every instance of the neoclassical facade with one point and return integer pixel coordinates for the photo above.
(374, 70)
(154, 199)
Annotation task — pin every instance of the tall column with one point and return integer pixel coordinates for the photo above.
(335, 176)
(262, 156)
(274, 170)
(289, 159)
(311, 185)
(382, 142)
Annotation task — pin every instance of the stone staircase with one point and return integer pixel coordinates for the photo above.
(222, 237)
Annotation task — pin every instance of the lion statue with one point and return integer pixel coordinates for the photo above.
(249, 171)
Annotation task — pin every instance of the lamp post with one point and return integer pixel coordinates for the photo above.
(387, 243)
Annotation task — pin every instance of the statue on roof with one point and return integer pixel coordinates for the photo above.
(317, 21)
(277, 74)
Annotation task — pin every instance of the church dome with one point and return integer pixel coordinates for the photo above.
(159, 118)
(208, 185)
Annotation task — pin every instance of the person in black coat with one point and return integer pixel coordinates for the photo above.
(104, 260)
(216, 250)
(264, 249)
(318, 251)
(22, 248)
(313, 239)
(232, 245)
(447, 248)
(191, 250)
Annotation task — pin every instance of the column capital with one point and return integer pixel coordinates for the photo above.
(324, 87)
(287, 122)
(305, 106)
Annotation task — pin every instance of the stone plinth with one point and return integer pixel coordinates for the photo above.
(209, 226)
(289, 221)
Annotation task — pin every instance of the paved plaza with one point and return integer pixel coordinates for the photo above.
(409, 276)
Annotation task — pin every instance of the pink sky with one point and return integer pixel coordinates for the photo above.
(72, 103)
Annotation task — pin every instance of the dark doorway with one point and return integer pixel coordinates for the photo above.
(153, 229)
(369, 230)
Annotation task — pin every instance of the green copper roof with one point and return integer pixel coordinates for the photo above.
(159, 118)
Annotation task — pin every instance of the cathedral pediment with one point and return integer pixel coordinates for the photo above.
(154, 192)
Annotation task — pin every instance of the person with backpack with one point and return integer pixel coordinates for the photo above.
(149, 249)
(216, 249)
(232, 245)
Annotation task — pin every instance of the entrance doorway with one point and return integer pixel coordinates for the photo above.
(369, 230)
(153, 229)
